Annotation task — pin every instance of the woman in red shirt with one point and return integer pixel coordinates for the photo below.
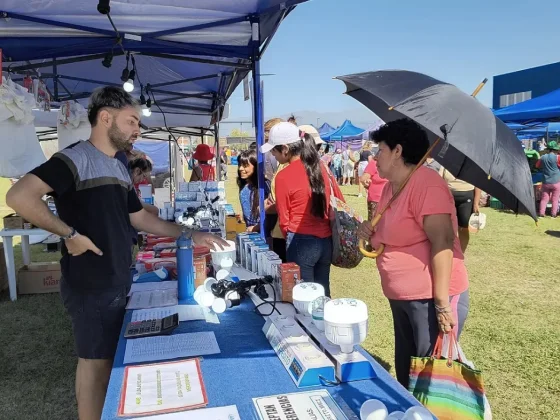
(303, 191)
(203, 171)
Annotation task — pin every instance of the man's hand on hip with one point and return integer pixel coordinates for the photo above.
(81, 244)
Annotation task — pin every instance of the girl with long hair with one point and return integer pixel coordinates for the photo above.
(247, 181)
(303, 191)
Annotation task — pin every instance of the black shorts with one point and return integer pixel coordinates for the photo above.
(97, 318)
(464, 201)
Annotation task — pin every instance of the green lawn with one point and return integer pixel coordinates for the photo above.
(512, 333)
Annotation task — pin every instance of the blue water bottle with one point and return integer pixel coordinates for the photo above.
(185, 267)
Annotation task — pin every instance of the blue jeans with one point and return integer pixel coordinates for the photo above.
(338, 172)
(313, 255)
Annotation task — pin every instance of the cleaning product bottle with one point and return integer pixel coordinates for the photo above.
(185, 266)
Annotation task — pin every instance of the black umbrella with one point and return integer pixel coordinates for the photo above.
(476, 146)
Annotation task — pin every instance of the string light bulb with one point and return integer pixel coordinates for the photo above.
(128, 86)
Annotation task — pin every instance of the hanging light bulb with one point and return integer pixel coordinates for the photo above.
(128, 86)
(147, 111)
(108, 60)
(124, 75)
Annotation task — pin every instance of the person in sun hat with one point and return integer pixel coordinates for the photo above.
(549, 164)
(302, 196)
(203, 171)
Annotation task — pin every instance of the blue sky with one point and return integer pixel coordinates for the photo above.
(460, 42)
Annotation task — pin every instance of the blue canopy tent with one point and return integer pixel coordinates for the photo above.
(325, 129)
(347, 133)
(187, 57)
(545, 108)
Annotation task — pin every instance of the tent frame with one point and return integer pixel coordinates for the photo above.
(146, 43)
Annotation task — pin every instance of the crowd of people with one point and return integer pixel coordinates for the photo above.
(422, 268)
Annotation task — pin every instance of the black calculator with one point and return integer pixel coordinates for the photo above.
(151, 327)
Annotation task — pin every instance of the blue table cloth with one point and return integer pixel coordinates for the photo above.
(248, 367)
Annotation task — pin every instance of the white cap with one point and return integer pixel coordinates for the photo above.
(281, 134)
(312, 131)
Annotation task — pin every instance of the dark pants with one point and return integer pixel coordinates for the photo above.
(279, 246)
(97, 318)
(416, 329)
(313, 255)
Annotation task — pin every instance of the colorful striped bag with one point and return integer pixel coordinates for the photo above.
(449, 388)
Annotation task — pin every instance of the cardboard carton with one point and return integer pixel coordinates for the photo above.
(39, 278)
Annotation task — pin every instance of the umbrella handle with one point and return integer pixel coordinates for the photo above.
(375, 252)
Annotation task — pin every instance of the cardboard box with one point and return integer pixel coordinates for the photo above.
(288, 276)
(39, 278)
(13, 221)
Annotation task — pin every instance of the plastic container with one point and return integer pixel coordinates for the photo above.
(219, 254)
(201, 259)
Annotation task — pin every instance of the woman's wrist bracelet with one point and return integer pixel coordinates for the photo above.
(443, 309)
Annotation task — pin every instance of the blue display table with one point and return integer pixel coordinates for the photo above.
(247, 367)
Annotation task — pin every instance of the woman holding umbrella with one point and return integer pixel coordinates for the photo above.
(422, 267)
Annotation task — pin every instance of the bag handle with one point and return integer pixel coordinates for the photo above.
(438, 348)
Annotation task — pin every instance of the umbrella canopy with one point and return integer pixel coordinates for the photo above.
(478, 147)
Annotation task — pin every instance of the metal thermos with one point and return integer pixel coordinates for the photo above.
(185, 267)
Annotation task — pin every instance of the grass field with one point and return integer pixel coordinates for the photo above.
(512, 333)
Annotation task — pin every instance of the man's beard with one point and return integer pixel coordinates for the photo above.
(118, 139)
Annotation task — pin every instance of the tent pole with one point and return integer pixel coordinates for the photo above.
(257, 103)
(217, 147)
(170, 171)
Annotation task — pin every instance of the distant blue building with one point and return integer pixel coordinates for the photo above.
(522, 85)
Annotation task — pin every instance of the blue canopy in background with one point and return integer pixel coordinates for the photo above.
(157, 151)
(545, 108)
(325, 129)
(347, 131)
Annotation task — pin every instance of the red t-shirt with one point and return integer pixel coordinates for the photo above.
(293, 202)
(405, 264)
(377, 183)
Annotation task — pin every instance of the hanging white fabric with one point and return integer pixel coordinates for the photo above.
(72, 124)
(20, 147)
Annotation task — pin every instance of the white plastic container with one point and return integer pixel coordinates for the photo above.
(346, 323)
(303, 295)
(219, 254)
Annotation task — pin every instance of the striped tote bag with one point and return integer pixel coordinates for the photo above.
(449, 388)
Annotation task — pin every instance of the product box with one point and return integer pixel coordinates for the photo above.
(239, 240)
(262, 260)
(349, 366)
(233, 227)
(302, 359)
(246, 256)
(39, 278)
(255, 250)
(288, 275)
(13, 221)
(194, 186)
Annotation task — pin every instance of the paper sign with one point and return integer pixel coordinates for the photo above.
(152, 285)
(186, 313)
(153, 299)
(153, 313)
(162, 388)
(217, 413)
(173, 346)
(312, 405)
